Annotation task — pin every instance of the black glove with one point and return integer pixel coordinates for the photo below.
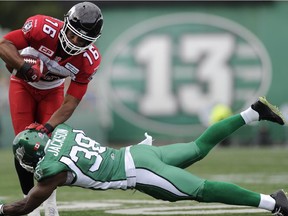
(30, 73)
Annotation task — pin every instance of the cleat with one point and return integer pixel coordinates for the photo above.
(268, 111)
(281, 205)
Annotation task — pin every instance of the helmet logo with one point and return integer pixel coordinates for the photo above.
(36, 147)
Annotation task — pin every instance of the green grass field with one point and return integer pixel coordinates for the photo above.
(263, 170)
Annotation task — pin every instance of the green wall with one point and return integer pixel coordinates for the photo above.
(166, 64)
(251, 37)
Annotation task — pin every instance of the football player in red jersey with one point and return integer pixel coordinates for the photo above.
(37, 95)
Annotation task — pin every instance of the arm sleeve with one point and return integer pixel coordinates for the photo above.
(77, 90)
(17, 38)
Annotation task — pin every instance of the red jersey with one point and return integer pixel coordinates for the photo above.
(39, 37)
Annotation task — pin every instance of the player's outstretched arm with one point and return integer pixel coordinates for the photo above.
(37, 195)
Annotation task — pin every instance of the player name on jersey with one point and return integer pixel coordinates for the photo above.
(57, 141)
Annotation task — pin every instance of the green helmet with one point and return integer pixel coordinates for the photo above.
(28, 148)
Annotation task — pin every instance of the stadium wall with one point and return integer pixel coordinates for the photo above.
(166, 65)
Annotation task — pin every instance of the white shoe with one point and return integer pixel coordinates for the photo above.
(50, 206)
(35, 212)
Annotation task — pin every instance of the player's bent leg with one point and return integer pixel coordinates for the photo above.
(218, 132)
(260, 110)
(185, 154)
(179, 154)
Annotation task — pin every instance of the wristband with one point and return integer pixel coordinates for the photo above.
(23, 70)
(25, 67)
(49, 127)
(1, 209)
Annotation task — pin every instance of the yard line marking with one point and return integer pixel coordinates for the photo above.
(187, 207)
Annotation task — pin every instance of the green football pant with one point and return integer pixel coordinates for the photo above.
(160, 170)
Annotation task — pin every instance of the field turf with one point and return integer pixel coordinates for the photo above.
(260, 169)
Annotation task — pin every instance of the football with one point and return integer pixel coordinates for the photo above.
(30, 59)
(27, 58)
